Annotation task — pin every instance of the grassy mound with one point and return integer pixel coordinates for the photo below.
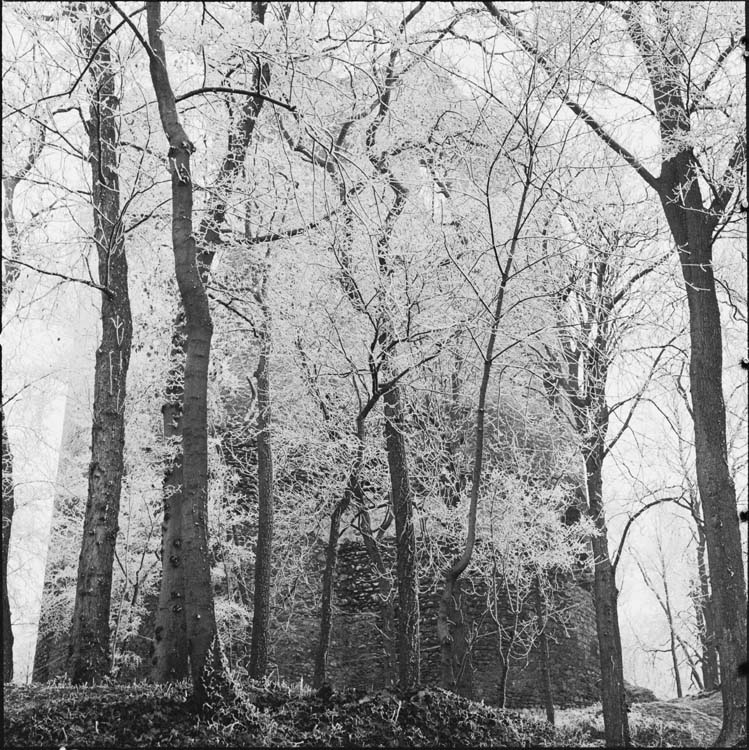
(263, 715)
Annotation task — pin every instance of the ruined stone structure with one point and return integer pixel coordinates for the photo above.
(359, 657)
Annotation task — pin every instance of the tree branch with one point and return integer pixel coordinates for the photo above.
(625, 424)
(652, 504)
(92, 284)
(240, 92)
(725, 191)
(578, 110)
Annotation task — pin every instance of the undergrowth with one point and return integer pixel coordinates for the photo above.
(262, 714)
(267, 714)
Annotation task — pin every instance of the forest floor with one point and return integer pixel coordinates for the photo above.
(271, 715)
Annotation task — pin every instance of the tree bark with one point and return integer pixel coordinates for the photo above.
(328, 588)
(692, 231)
(405, 549)
(261, 614)
(204, 652)
(543, 648)
(8, 508)
(605, 597)
(395, 446)
(704, 615)
(672, 636)
(89, 652)
(170, 662)
(331, 557)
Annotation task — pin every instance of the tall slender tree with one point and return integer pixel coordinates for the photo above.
(265, 491)
(191, 549)
(170, 659)
(591, 324)
(450, 592)
(89, 652)
(661, 35)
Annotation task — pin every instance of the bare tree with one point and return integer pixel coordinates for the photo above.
(89, 658)
(695, 224)
(170, 646)
(203, 647)
(591, 323)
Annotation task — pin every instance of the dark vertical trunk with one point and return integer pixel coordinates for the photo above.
(692, 225)
(605, 600)
(331, 557)
(8, 508)
(447, 600)
(672, 637)
(405, 549)
(692, 229)
(261, 614)
(704, 615)
(328, 585)
(89, 652)
(170, 660)
(386, 596)
(543, 649)
(353, 489)
(203, 649)
(408, 648)
(462, 648)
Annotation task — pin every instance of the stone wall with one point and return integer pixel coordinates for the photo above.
(358, 656)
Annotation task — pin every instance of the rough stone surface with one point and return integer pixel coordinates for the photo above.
(358, 656)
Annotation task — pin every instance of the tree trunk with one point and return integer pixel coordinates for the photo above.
(692, 231)
(447, 600)
(206, 663)
(8, 508)
(328, 584)
(705, 624)
(605, 597)
(89, 653)
(505, 653)
(331, 558)
(543, 649)
(170, 661)
(692, 225)
(462, 649)
(261, 613)
(386, 596)
(405, 545)
(672, 637)
(607, 621)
